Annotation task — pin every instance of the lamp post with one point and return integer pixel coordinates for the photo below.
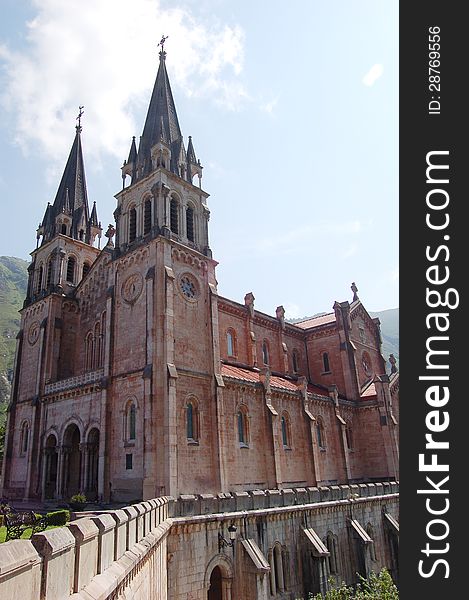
(222, 542)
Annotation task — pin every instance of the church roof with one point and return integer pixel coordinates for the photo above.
(161, 123)
(282, 383)
(316, 321)
(73, 182)
(71, 198)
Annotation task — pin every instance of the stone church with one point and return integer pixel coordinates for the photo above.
(135, 379)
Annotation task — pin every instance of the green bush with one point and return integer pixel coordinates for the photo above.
(376, 587)
(58, 517)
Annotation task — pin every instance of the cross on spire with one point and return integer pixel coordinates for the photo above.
(161, 43)
(80, 114)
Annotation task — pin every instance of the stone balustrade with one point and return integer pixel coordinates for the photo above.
(74, 382)
(202, 504)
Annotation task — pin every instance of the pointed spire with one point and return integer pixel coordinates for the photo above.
(72, 187)
(161, 123)
(94, 216)
(66, 206)
(72, 195)
(133, 152)
(191, 157)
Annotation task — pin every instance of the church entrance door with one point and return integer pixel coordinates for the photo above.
(50, 470)
(215, 591)
(72, 461)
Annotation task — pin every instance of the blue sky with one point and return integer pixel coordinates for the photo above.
(293, 111)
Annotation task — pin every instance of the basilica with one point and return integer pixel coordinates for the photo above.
(135, 379)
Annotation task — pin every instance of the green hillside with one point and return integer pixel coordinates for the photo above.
(13, 282)
(389, 331)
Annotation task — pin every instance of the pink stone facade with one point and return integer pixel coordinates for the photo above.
(135, 379)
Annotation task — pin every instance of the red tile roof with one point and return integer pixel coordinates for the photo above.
(275, 381)
(316, 321)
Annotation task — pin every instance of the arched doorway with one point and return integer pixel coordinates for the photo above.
(91, 466)
(71, 461)
(215, 591)
(50, 467)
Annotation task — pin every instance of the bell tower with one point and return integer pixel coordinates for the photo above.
(159, 196)
(66, 236)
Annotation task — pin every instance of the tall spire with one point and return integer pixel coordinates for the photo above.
(71, 198)
(161, 124)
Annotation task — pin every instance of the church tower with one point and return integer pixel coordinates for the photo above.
(146, 207)
(65, 238)
(164, 300)
(64, 254)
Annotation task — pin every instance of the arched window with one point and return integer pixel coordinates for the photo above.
(349, 435)
(279, 580)
(333, 558)
(192, 421)
(285, 425)
(231, 342)
(103, 339)
(86, 269)
(39, 279)
(325, 363)
(174, 216)
(265, 352)
(49, 273)
(24, 442)
(190, 223)
(147, 216)
(130, 421)
(71, 262)
(97, 346)
(320, 433)
(63, 229)
(295, 361)
(89, 351)
(81, 235)
(132, 224)
(243, 427)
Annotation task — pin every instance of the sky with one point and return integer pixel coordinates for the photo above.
(293, 112)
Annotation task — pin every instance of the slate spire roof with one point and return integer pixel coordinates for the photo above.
(73, 182)
(71, 198)
(161, 127)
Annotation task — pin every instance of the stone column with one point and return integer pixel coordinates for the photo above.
(219, 387)
(103, 473)
(226, 588)
(60, 267)
(58, 480)
(170, 422)
(45, 468)
(149, 443)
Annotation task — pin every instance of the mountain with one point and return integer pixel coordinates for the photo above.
(389, 331)
(13, 283)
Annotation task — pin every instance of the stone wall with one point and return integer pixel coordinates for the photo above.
(166, 550)
(99, 555)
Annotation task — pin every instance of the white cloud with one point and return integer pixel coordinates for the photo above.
(293, 311)
(373, 75)
(103, 54)
(269, 107)
(350, 251)
(308, 236)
